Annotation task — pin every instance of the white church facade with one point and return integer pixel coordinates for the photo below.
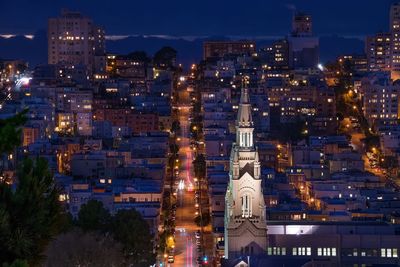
(245, 218)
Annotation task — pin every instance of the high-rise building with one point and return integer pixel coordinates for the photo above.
(395, 31)
(302, 25)
(276, 55)
(218, 49)
(75, 40)
(357, 63)
(245, 222)
(303, 46)
(378, 49)
(380, 100)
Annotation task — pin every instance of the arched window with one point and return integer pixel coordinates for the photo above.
(246, 206)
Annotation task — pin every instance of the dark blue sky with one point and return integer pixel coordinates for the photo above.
(202, 17)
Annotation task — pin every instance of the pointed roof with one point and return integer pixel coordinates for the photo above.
(244, 96)
(244, 118)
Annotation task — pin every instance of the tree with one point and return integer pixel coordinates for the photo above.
(174, 148)
(10, 132)
(132, 231)
(165, 57)
(139, 56)
(199, 165)
(85, 249)
(176, 126)
(93, 216)
(30, 214)
(290, 132)
(17, 263)
(203, 220)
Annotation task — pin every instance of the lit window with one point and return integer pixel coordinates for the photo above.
(334, 252)
(383, 252)
(355, 252)
(363, 254)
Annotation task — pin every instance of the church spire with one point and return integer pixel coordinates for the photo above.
(245, 224)
(244, 122)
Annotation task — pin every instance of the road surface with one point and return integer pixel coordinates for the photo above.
(185, 241)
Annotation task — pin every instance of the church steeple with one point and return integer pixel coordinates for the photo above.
(245, 222)
(244, 122)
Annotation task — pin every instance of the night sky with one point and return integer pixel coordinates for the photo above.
(202, 18)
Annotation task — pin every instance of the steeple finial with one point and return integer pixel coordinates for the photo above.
(244, 96)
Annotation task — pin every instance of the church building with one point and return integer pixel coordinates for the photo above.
(245, 219)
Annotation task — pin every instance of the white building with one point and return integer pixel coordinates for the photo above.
(245, 222)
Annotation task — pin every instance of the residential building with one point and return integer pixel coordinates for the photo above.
(378, 49)
(380, 99)
(218, 49)
(303, 46)
(395, 31)
(74, 40)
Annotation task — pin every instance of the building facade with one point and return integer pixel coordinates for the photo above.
(218, 49)
(245, 222)
(74, 40)
(395, 31)
(379, 52)
(303, 46)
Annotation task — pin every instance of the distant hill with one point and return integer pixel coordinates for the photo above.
(189, 51)
(333, 46)
(32, 50)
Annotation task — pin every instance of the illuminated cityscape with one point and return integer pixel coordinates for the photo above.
(177, 134)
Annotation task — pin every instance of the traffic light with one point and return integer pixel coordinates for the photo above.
(205, 260)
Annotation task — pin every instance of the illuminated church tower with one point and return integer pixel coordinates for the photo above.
(245, 223)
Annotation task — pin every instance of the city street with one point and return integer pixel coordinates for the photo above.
(185, 241)
(358, 145)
